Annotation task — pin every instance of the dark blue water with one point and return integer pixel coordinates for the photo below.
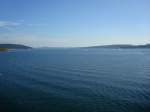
(75, 80)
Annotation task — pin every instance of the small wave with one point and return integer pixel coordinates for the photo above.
(1, 74)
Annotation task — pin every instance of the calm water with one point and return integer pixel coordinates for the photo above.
(75, 80)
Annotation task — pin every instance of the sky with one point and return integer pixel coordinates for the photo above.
(74, 23)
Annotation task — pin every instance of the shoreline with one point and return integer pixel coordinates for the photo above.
(3, 49)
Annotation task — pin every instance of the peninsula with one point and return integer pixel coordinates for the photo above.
(5, 47)
(122, 46)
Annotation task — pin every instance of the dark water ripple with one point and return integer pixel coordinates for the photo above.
(75, 80)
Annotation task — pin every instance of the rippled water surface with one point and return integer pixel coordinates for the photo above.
(75, 80)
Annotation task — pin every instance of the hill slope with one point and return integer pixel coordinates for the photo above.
(14, 46)
(122, 46)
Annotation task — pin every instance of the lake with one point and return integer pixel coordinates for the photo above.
(75, 80)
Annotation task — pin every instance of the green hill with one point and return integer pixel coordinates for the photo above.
(123, 46)
(13, 46)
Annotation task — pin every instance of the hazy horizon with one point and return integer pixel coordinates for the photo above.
(74, 23)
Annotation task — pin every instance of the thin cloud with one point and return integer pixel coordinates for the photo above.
(37, 24)
(8, 24)
(4, 24)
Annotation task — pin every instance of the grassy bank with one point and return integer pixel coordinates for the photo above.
(3, 49)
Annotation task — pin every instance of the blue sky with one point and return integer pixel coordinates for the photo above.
(64, 23)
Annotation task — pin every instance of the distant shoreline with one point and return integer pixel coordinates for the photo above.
(122, 46)
(3, 49)
(12, 47)
(7, 47)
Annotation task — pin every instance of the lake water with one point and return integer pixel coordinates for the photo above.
(75, 80)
